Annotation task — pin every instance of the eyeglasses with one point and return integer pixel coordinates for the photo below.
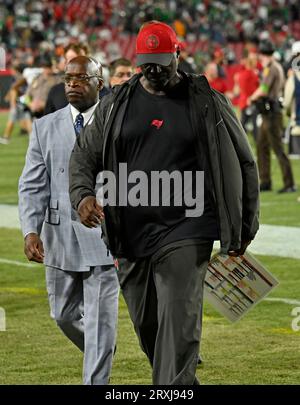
(79, 79)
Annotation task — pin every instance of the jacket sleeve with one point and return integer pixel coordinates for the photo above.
(86, 159)
(250, 203)
(34, 188)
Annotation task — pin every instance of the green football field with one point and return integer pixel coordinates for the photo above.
(262, 348)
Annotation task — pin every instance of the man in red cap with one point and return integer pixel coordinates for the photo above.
(168, 123)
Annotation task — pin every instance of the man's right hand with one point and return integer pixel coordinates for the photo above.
(90, 212)
(33, 248)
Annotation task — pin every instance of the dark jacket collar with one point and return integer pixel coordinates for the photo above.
(198, 83)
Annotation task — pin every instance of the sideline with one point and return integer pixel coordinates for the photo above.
(271, 240)
(284, 300)
(21, 264)
(16, 263)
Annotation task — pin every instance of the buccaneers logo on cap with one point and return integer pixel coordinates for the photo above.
(152, 42)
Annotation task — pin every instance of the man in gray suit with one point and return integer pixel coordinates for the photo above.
(81, 279)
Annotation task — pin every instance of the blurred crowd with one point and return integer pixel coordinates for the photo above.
(218, 38)
(29, 27)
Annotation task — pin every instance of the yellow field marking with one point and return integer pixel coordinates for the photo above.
(282, 331)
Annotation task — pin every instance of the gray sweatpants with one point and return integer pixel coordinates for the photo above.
(164, 295)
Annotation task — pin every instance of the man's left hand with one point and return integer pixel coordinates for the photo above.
(241, 250)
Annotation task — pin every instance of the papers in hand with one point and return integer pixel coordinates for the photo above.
(233, 285)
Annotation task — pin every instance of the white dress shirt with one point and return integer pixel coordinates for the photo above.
(87, 115)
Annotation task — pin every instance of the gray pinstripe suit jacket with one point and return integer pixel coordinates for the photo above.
(44, 204)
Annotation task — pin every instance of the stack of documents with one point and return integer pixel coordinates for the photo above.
(233, 285)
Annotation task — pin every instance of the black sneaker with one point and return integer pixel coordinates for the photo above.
(265, 187)
(291, 189)
(23, 132)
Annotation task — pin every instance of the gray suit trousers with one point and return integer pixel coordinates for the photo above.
(164, 295)
(85, 307)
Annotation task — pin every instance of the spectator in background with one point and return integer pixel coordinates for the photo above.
(186, 64)
(179, 26)
(247, 81)
(18, 111)
(37, 92)
(30, 22)
(231, 68)
(57, 97)
(218, 58)
(266, 98)
(215, 81)
(31, 71)
(291, 101)
(120, 70)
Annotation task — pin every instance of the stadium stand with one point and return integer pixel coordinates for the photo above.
(32, 26)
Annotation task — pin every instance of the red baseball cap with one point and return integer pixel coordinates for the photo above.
(156, 43)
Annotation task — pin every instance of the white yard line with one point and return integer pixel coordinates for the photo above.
(284, 300)
(9, 216)
(16, 263)
(271, 240)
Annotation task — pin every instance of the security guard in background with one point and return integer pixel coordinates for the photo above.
(266, 99)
